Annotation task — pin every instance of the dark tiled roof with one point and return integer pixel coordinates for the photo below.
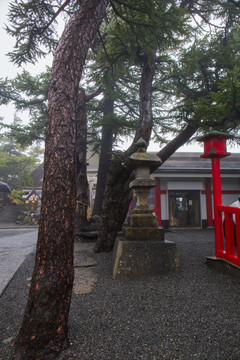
(180, 162)
(183, 162)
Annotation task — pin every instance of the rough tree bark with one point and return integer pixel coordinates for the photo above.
(177, 142)
(105, 156)
(113, 202)
(44, 330)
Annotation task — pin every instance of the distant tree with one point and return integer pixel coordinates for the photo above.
(16, 165)
(82, 186)
(28, 93)
(106, 148)
(16, 197)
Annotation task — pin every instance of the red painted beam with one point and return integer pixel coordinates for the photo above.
(157, 195)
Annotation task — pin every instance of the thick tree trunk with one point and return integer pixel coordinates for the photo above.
(177, 142)
(113, 215)
(144, 128)
(118, 196)
(44, 330)
(105, 157)
(116, 204)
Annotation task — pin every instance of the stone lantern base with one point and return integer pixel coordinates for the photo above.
(135, 259)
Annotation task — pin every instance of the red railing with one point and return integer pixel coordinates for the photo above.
(227, 233)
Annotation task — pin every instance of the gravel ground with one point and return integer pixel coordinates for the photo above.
(190, 315)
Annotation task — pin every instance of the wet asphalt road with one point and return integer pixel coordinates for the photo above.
(15, 245)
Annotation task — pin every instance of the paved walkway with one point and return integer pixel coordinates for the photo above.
(15, 245)
(193, 314)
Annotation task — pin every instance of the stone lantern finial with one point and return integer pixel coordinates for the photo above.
(141, 145)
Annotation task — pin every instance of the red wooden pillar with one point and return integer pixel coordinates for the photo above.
(215, 148)
(209, 202)
(157, 197)
(217, 196)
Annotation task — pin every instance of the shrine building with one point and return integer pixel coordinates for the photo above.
(183, 195)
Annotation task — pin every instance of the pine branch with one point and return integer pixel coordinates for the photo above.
(237, 4)
(31, 25)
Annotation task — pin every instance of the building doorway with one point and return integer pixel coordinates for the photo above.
(184, 208)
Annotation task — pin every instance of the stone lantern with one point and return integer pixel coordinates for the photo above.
(142, 219)
(141, 251)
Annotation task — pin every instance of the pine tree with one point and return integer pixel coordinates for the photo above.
(44, 330)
